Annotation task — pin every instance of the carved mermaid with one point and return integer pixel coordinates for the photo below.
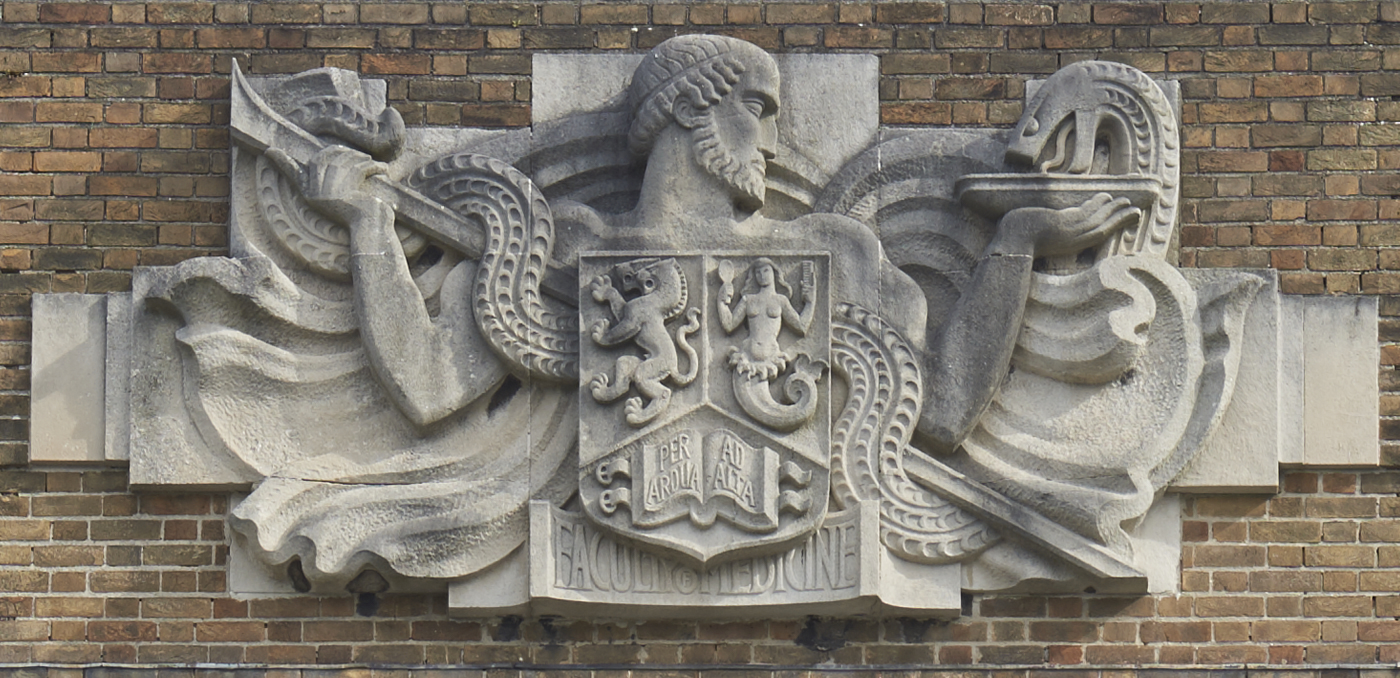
(761, 359)
(765, 311)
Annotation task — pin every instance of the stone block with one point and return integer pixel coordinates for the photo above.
(69, 353)
(567, 84)
(1340, 352)
(815, 85)
(503, 588)
(249, 577)
(1157, 546)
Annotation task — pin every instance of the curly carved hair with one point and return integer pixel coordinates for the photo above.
(703, 68)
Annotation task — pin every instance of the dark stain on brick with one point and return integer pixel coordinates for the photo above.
(366, 604)
(824, 635)
(549, 630)
(509, 629)
(913, 630)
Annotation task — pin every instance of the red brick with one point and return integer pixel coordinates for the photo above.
(231, 38)
(67, 62)
(504, 14)
(338, 631)
(394, 13)
(286, 13)
(67, 161)
(1286, 631)
(613, 14)
(121, 631)
(230, 631)
(1175, 632)
(175, 607)
(180, 12)
(52, 111)
(24, 631)
(1128, 13)
(1019, 15)
(75, 13)
(175, 504)
(398, 64)
(909, 13)
(785, 13)
(1382, 631)
(1337, 606)
(1229, 606)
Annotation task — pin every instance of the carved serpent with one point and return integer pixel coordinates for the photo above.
(532, 332)
(381, 137)
(868, 444)
(1095, 100)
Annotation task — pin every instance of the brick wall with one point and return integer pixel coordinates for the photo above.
(113, 154)
(91, 574)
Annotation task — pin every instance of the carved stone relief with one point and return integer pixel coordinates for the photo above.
(735, 374)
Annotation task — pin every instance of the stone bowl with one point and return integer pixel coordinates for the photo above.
(993, 195)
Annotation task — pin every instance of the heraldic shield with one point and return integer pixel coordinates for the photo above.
(705, 399)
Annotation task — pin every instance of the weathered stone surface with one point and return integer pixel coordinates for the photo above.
(166, 447)
(117, 419)
(1339, 381)
(790, 361)
(252, 576)
(564, 85)
(813, 86)
(1243, 453)
(66, 417)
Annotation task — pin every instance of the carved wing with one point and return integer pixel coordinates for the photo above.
(903, 189)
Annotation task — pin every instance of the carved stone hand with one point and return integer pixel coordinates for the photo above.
(1043, 232)
(334, 182)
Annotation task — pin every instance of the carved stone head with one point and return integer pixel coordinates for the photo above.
(725, 92)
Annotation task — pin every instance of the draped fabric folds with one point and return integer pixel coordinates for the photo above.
(282, 383)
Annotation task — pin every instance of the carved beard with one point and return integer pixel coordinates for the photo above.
(746, 178)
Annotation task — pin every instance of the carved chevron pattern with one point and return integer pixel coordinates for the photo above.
(529, 330)
(869, 438)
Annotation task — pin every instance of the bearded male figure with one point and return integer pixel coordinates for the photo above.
(705, 113)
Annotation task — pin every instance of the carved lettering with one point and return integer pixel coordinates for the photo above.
(588, 561)
(729, 475)
(676, 472)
